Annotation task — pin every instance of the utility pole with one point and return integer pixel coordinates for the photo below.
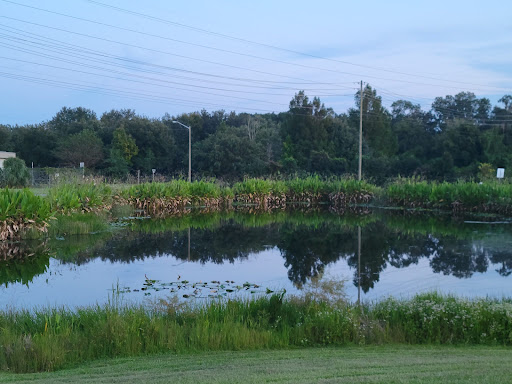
(189, 148)
(189, 157)
(360, 131)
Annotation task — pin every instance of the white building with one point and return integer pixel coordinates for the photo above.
(4, 156)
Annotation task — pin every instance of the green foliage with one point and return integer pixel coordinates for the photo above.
(15, 174)
(118, 166)
(445, 143)
(125, 144)
(485, 172)
(24, 267)
(84, 146)
(24, 206)
(79, 197)
(52, 338)
(490, 196)
(78, 223)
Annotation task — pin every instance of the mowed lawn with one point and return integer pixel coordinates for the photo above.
(381, 364)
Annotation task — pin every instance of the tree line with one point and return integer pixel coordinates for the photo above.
(461, 136)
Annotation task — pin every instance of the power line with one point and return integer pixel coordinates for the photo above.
(269, 45)
(171, 39)
(164, 52)
(61, 46)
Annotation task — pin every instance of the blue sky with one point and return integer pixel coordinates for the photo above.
(403, 49)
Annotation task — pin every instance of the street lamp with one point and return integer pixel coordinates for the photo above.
(189, 149)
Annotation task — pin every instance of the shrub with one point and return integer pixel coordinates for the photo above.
(15, 173)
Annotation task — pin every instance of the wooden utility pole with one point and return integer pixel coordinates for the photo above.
(360, 132)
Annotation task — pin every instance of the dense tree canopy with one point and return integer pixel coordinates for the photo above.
(451, 140)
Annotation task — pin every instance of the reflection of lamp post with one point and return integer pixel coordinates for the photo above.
(189, 149)
(359, 265)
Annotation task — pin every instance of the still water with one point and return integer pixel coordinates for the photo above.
(400, 254)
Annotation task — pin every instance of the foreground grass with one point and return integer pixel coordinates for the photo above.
(380, 364)
(49, 340)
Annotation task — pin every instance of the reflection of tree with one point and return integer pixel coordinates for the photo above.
(374, 250)
(29, 262)
(226, 243)
(406, 250)
(505, 258)
(307, 251)
(459, 258)
(307, 246)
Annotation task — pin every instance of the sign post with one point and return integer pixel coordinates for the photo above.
(500, 173)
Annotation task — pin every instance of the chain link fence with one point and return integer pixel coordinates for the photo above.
(49, 177)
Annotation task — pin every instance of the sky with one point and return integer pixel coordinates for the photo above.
(175, 57)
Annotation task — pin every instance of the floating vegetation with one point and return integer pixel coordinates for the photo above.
(198, 290)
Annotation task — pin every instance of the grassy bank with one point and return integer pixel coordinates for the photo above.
(379, 364)
(52, 339)
(460, 196)
(22, 209)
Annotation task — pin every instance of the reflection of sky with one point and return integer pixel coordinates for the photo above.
(70, 285)
(405, 282)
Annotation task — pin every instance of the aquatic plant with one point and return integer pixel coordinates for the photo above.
(79, 197)
(466, 196)
(21, 210)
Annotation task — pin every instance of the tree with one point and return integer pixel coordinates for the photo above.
(15, 173)
(124, 144)
(376, 123)
(305, 130)
(5, 138)
(117, 164)
(85, 147)
(155, 142)
(229, 152)
(70, 121)
(464, 105)
(35, 144)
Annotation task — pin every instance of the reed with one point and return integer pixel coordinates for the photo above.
(50, 339)
(467, 196)
(80, 197)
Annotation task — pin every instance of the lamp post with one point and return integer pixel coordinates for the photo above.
(189, 149)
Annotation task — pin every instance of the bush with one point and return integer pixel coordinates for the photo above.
(15, 173)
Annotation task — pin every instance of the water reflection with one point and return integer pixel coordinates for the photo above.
(20, 262)
(306, 242)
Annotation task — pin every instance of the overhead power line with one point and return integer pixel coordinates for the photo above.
(180, 41)
(181, 25)
(60, 45)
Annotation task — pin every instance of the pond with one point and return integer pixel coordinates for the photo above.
(377, 254)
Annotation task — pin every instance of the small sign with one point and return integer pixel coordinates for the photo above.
(153, 170)
(82, 164)
(500, 174)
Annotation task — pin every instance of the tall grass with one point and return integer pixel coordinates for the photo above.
(79, 197)
(21, 210)
(489, 196)
(51, 339)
